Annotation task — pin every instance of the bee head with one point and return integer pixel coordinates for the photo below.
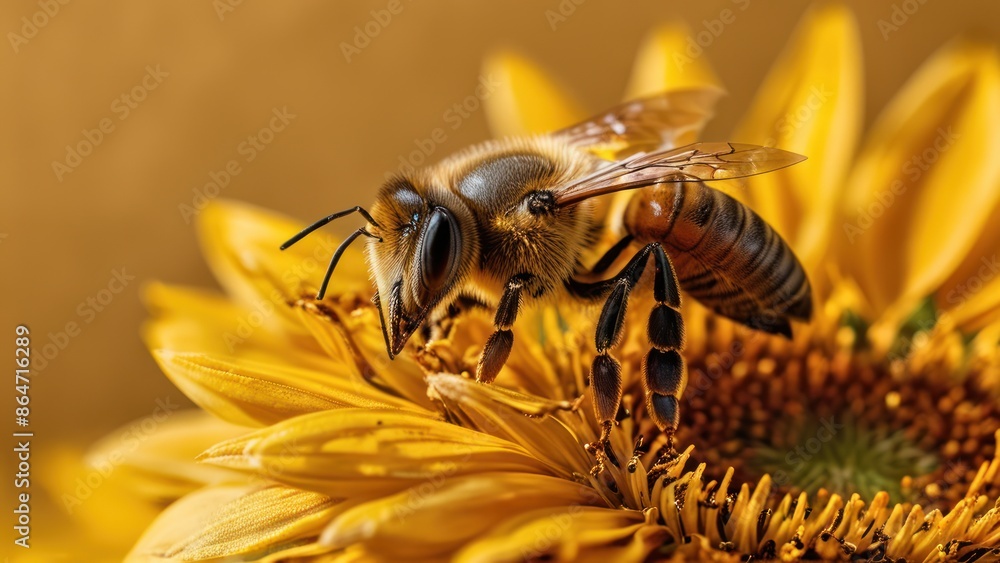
(428, 245)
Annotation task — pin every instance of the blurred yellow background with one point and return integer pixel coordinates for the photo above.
(118, 114)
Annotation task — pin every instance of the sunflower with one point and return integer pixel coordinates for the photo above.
(871, 434)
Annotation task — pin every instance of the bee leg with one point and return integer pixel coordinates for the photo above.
(663, 373)
(611, 255)
(664, 376)
(606, 371)
(498, 346)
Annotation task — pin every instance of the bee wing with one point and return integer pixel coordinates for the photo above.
(645, 124)
(698, 161)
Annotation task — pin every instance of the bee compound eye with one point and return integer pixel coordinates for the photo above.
(439, 249)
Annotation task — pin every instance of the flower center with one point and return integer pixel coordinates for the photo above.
(834, 419)
(843, 456)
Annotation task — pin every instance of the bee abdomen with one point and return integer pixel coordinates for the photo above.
(726, 256)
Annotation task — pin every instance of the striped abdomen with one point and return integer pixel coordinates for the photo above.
(725, 255)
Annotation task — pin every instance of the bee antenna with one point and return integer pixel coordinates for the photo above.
(340, 252)
(304, 232)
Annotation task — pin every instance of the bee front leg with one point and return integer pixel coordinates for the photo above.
(498, 346)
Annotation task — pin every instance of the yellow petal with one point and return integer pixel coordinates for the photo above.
(253, 394)
(811, 104)
(357, 335)
(437, 517)
(352, 452)
(927, 179)
(667, 61)
(154, 457)
(526, 101)
(529, 421)
(574, 533)
(241, 243)
(971, 295)
(85, 503)
(978, 310)
(124, 480)
(193, 319)
(246, 521)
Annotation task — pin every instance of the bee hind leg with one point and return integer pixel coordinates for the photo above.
(663, 372)
(665, 333)
(499, 344)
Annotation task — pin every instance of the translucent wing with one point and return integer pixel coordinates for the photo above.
(698, 161)
(645, 124)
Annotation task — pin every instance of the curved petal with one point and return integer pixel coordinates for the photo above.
(254, 394)
(437, 518)
(241, 243)
(971, 295)
(243, 521)
(523, 419)
(574, 533)
(927, 180)
(354, 452)
(86, 502)
(193, 319)
(665, 61)
(124, 480)
(154, 457)
(976, 309)
(526, 100)
(357, 335)
(811, 104)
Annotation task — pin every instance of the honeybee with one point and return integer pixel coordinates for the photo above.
(507, 223)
